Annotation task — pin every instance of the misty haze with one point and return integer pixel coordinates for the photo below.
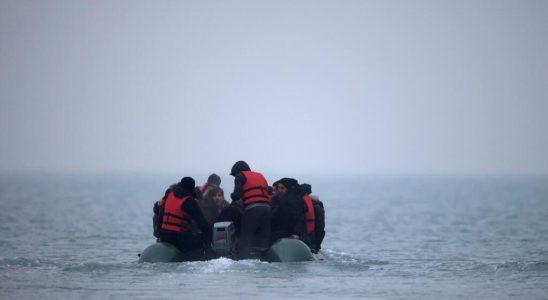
(421, 125)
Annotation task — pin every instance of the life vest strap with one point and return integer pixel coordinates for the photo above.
(255, 188)
(170, 215)
(182, 225)
(255, 196)
(253, 200)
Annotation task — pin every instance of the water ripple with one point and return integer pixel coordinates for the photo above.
(15, 262)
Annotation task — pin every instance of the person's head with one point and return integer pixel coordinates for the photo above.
(239, 167)
(285, 184)
(307, 188)
(187, 183)
(214, 180)
(280, 188)
(215, 194)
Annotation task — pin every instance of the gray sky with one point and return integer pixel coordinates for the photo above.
(290, 86)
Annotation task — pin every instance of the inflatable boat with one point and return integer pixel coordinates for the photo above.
(283, 250)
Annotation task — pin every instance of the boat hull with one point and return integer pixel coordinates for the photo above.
(288, 250)
(283, 250)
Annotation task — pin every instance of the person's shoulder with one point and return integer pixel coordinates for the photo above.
(191, 204)
(197, 193)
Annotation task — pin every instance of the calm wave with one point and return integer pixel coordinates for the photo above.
(64, 237)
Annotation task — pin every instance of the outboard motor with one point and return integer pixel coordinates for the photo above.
(224, 235)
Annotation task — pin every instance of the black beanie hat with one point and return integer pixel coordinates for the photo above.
(307, 188)
(187, 183)
(289, 183)
(238, 167)
(214, 178)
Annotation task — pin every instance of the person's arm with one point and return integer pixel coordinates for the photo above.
(156, 208)
(320, 224)
(192, 208)
(157, 218)
(239, 181)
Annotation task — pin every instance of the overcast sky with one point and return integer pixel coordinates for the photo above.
(328, 87)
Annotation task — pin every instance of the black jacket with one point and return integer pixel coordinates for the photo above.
(289, 216)
(319, 226)
(239, 181)
(232, 213)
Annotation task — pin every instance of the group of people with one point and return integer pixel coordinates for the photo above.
(262, 214)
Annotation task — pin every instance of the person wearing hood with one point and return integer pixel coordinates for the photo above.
(276, 191)
(177, 211)
(319, 217)
(213, 181)
(289, 216)
(252, 188)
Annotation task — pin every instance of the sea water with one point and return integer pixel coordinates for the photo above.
(407, 237)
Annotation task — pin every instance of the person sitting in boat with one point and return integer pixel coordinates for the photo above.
(252, 188)
(212, 203)
(274, 193)
(288, 218)
(159, 212)
(319, 217)
(309, 216)
(233, 213)
(213, 181)
(179, 211)
(278, 189)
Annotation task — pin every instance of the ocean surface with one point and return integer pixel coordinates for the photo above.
(406, 237)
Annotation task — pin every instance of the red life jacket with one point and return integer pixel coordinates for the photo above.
(255, 188)
(176, 219)
(310, 215)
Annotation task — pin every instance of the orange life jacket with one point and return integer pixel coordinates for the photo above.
(255, 188)
(175, 218)
(310, 215)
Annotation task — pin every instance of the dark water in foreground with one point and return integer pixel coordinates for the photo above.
(65, 237)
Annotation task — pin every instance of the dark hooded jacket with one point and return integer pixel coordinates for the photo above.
(319, 218)
(319, 224)
(289, 213)
(239, 179)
